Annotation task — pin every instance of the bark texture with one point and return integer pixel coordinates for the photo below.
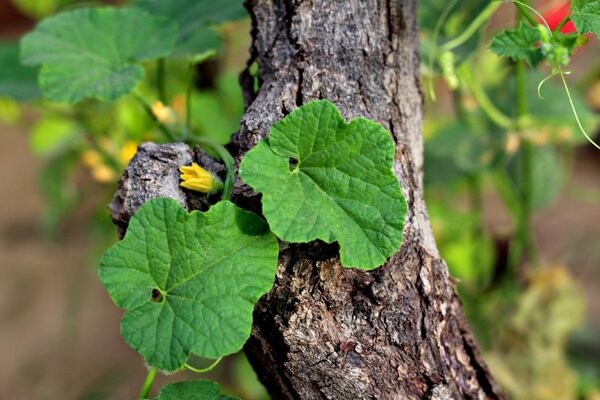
(325, 332)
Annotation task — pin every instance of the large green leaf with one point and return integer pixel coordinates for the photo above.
(586, 16)
(193, 390)
(193, 17)
(189, 281)
(519, 44)
(16, 80)
(92, 52)
(342, 188)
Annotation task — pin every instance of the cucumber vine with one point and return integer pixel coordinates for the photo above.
(188, 282)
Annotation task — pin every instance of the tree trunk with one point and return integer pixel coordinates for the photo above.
(323, 331)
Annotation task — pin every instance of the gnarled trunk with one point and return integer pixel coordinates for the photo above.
(324, 331)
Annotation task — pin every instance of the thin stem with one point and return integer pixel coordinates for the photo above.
(160, 80)
(434, 38)
(525, 8)
(148, 383)
(493, 113)
(562, 23)
(481, 19)
(203, 370)
(225, 156)
(525, 13)
(525, 244)
(562, 77)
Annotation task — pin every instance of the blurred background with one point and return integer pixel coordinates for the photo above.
(516, 214)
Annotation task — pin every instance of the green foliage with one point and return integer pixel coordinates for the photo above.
(547, 176)
(16, 81)
(217, 113)
(92, 52)
(586, 16)
(341, 189)
(189, 281)
(51, 136)
(194, 18)
(529, 358)
(519, 44)
(193, 390)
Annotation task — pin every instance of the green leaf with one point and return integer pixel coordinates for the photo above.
(92, 52)
(204, 40)
(189, 281)
(193, 390)
(586, 16)
(16, 80)
(342, 188)
(193, 17)
(519, 44)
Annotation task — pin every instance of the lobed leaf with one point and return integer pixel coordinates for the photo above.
(93, 52)
(189, 282)
(519, 44)
(342, 188)
(586, 16)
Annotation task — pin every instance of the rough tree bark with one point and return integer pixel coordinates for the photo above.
(323, 331)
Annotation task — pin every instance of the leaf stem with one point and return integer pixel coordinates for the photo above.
(225, 156)
(148, 383)
(525, 247)
(564, 81)
(481, 19)
(525, 13)
(562, 23)
(203, 370)
(434, 38)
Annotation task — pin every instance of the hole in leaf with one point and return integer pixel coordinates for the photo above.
(293, 163)
(157, 296)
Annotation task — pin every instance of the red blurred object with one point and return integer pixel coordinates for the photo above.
(556, 14)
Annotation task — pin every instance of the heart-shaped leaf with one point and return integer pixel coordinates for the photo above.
(324, 179)
(189, 281)
(93, 52)
(193, 390)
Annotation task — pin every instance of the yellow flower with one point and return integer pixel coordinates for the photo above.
(163, 113)
(127, 152)
(103, 174)
(197, 178)
(91, 158)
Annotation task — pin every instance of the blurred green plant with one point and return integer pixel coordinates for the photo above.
(515, 133)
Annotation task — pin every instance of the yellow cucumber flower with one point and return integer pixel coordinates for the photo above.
(127, 152)
(196, 178)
